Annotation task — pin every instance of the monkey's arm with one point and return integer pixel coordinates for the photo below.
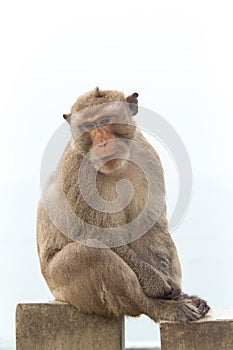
(151, 280)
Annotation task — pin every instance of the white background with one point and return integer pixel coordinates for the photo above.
(178, 56)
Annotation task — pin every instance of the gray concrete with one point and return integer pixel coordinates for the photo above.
(59, 326)
(215, 331)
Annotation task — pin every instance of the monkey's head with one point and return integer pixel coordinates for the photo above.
(101, 125)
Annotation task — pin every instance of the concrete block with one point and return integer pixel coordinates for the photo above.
(215, 331)
(59, 326)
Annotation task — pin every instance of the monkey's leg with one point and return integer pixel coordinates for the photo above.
(98, 281)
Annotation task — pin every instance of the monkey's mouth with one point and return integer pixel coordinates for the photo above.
(110, 157)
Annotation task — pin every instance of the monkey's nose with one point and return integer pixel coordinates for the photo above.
(103, 143)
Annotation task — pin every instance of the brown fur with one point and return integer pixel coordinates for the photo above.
(136, 278)
(97, 97)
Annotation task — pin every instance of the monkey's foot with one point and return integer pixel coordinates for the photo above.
(201, 304)
(184, 309)
(192, 308)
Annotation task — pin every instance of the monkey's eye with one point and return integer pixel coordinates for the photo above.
(88, 125)
(104, 120)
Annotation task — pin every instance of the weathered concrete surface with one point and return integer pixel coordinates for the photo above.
(215, 331)
(59, 326)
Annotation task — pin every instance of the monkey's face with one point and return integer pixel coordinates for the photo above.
(103, 136)
(102, 125)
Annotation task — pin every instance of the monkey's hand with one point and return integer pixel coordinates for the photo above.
(154, 284)
(151, 280)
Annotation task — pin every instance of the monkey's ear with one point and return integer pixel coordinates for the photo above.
(133, 103)
(67, 117)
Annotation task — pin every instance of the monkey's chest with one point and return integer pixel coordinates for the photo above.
(111, 205)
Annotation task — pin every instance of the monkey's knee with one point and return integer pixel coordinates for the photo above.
(95, 280)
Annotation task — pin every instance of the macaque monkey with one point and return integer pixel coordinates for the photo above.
(118, 274)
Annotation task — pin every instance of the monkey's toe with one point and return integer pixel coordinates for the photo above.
(188, 312)
(201, 305)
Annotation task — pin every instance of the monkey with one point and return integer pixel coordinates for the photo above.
(96, 272)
